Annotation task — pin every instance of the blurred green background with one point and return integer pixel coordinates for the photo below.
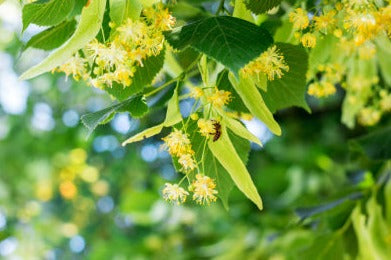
(64, 195)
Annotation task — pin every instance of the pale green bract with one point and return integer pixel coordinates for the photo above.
(239, 129)
(225, 153)
(120, 10)
(253, 100)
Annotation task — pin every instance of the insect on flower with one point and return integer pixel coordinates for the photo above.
(217, 128)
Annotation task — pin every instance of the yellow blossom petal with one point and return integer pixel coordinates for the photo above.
(204, 189)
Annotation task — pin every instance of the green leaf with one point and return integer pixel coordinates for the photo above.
(120, 10)
(173, 117)
(137, 108)
(142, 78)
(135, 105)
(383, 49)
(261, 6)
(79, 4)
(226, 154)
(242, 12)
(46, 13)
(371, 231)
(53, 37)
(290, 89)
(88, 27)
(304, 213)
(251, 97)
(375, 145)
(148, 3)
(230, 41)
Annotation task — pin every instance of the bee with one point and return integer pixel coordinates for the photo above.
(217, 133)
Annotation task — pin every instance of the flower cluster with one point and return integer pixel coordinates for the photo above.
(271, 62)
(206, 127)
(174, 193)
(355, 21)
(178, 145)
(356, 29)
(219, 98)
(331, 75)
(115, 61)
(203, 188)
(362, 95)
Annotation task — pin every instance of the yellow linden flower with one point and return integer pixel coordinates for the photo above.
(132, 32)
(369, 116)
(299, 18)
(338, 33)
(383, 17)
(177, 143)
(362, 24)
(187, 162)
(160, 18)
(196, 92)
(206, 127)
(270, 62)
(111, 56)
(220, 98)
(105, 80)
(123, 75)
(321, 89)
(308, 40)
(174, 193)
(153, 44)
(194, 116)
(204, 189)
(325, 22)
(137, 55)
(94, 48)
(75, 66)
(338, 6)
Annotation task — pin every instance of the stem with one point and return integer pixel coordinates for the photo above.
(203, 155)
(184, 177)
(221, 7)
(181, 76)
(163, 86)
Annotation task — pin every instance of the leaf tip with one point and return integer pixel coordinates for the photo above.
(24, 76)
